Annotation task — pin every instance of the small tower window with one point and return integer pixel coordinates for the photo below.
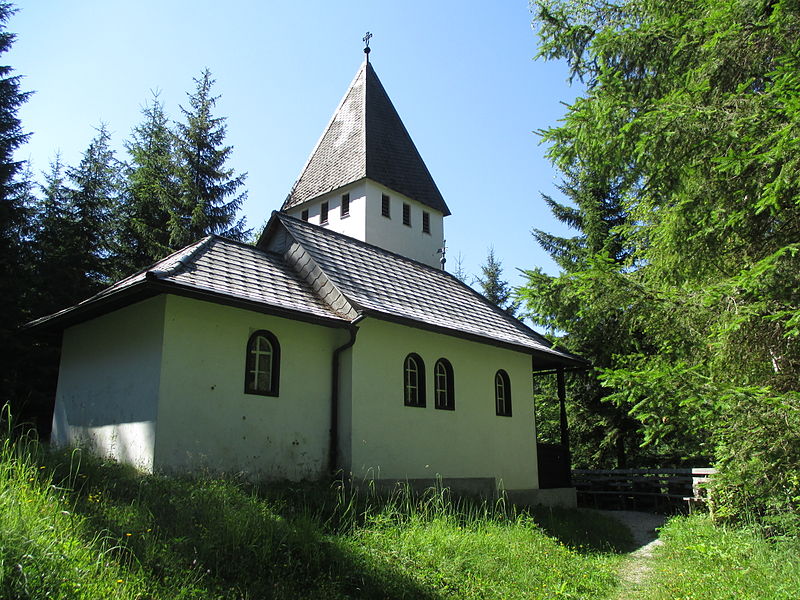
(406, 214)
(304, 215)
(414, 381)
(443, 385)
(502, 394)
(345, 207)
(385, 206)
(262, 364)
(323, 214)
(426, 222)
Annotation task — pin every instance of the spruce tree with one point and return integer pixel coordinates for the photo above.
(93, 208)
(59, 281)
(602, 434)
(153, 191)
(493, 287)
(691, 110)
(14, 215)
(210, 191)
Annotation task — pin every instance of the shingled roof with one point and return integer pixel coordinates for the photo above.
(214, 269)
(366, 138)
(390, 286)
(365, 281)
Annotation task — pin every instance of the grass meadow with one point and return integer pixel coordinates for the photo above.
(74, 526)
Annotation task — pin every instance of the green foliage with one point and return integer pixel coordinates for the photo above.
(153, 191)
(494, 288)
(689, 126)
(210, 194)
(700, 560)
(92, 212)
(15, 213)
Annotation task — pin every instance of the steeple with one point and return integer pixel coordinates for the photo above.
(366, 179)
(366, 139)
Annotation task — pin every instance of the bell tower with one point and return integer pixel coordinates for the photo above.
(365, 177)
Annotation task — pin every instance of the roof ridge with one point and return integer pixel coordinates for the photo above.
(190, 251)
(515, 322)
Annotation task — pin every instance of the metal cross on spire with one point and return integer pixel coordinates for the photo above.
(366, 39)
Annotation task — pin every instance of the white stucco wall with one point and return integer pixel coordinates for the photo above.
(205, 418)
(353, 225)
(366, 223)
(391, 234)
(108, 383)
(394, 441)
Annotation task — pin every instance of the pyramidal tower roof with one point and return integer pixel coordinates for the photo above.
(366, 138)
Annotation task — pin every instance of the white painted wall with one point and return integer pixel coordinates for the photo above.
(353, 225)
(391, 234)
(108, 382)
(366, 223)
(205, 418)
(394, 441)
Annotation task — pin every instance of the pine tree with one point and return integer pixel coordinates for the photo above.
(210, 196)
(602, 435)
(494, 288)
(59, 281)
(153, 191)
(14, 215)
(459, 272)
(94, 214)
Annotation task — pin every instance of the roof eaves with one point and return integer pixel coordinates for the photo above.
(383, 316)
(209, 295)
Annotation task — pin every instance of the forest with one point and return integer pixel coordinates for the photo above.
(680, 180)
(680, 176)
(75, 229)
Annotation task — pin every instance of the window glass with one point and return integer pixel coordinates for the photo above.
(413, 381)
(502, 393)
(262, 364)
(443, 386)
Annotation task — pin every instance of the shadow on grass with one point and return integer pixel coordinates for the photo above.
(201, 538)
(585, 531)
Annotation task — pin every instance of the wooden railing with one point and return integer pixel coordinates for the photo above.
(640, 489)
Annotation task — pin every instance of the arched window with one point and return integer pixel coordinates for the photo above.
(502, 394)
(444, 396)
(414, 381)
(263, 364)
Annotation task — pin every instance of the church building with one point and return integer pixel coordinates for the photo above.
(336, 344)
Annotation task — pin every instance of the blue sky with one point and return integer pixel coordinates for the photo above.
(460, 73)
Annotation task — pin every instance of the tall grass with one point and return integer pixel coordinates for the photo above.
(46, 548)
(73, 526)
(700, 560)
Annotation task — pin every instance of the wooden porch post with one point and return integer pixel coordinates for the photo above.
(562, 398)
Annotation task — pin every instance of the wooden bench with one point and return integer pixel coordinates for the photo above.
(700, 477)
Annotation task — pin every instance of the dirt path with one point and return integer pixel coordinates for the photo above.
(636, 567)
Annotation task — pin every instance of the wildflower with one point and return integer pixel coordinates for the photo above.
(128, 534)
(120, 581)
